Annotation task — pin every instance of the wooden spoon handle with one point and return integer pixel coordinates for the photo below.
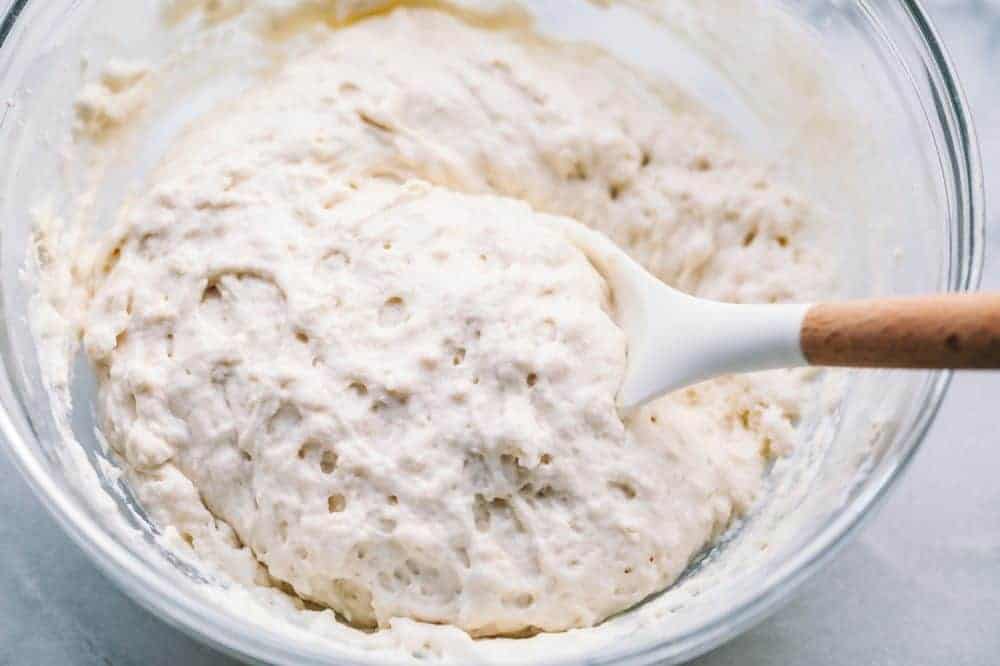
(947, 331)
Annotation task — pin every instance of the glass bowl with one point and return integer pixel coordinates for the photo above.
(870, 114)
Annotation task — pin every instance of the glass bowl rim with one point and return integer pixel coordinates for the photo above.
(202, 620)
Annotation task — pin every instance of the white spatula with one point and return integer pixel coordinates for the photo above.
(675, 340)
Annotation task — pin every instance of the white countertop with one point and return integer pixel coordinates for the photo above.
(920, 585)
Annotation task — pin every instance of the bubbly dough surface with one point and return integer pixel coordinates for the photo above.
(398, 394)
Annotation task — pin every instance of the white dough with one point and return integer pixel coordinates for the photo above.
(329, 322)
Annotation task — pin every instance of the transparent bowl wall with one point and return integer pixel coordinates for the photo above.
(912, 222)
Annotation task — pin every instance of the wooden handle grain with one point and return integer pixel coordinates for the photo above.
(948, 331)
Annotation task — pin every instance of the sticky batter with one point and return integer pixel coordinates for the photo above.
(339, 332)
